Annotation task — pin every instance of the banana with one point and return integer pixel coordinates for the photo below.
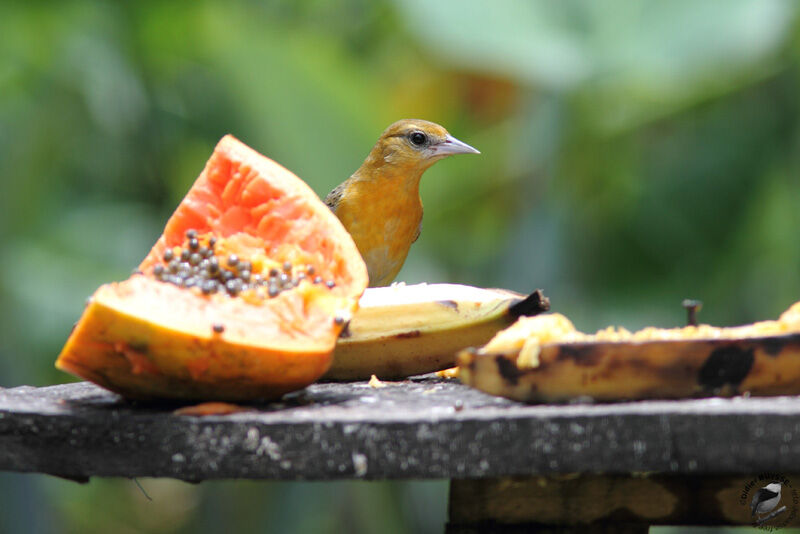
(403, 330)
(545, 359)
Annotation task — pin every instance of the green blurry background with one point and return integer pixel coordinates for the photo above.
(633, 155)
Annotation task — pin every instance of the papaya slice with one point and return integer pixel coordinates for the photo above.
(241, 298)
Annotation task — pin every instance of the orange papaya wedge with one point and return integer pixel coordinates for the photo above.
(241, 298)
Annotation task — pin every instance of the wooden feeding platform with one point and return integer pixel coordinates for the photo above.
(590, 467)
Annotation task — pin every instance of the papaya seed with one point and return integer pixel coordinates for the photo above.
(331, 284)
(208, 287)
(234, 286)
(168, 255)
(191, 234)
(218, 328)
(196, 265)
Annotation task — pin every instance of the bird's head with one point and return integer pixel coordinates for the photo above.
(415, 145)
(774, 487)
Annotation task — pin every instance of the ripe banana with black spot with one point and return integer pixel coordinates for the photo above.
(403, 330)
(545, 359)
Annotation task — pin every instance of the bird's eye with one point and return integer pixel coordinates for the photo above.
(418, 138)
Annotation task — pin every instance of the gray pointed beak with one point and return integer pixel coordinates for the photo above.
(451, 145)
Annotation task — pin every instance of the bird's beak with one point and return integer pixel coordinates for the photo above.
(451, 145)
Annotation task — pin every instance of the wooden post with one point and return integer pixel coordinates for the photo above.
(614, 503)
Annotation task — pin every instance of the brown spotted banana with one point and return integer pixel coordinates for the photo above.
(545, 359)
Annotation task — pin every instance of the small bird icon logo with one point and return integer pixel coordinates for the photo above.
(766, 499)
(380, 204)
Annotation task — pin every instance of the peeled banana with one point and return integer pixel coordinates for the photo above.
(403, 330)
(545, 359)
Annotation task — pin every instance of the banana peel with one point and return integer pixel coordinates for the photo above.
(404, 330)
(544, 359)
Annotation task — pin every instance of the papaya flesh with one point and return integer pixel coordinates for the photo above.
(241, 298)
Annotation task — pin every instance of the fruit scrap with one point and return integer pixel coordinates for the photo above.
(211, 408)
(545, 359)
(374, 382)
(452, 372)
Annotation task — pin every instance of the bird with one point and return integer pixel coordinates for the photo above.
(380, 204)
(766, 499)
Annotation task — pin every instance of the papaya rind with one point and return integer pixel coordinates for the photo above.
(130, 354)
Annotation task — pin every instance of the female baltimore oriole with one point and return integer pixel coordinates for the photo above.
(380, 205)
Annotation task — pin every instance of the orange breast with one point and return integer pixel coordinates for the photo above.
(383, 217)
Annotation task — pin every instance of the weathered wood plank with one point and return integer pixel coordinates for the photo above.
(423, 428)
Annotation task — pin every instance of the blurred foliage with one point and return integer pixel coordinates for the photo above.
(633, 154)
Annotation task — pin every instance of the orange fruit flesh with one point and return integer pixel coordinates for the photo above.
(238, 193)
(146, 338)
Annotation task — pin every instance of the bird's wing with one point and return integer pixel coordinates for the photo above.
(333, 198)
(419, 231)
(760, 496)
(767, 494)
